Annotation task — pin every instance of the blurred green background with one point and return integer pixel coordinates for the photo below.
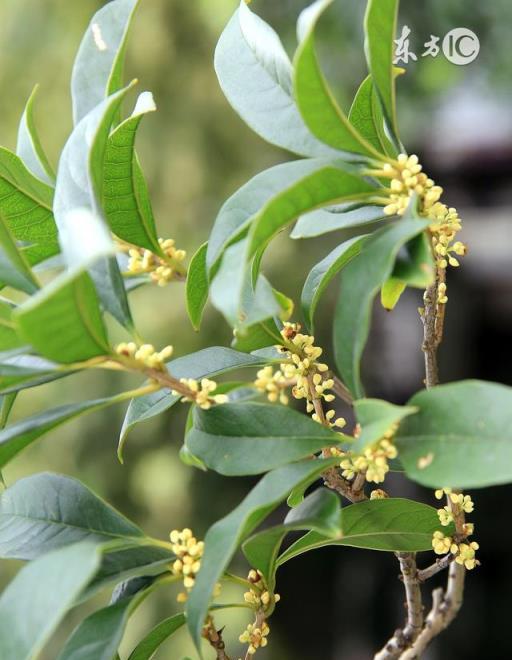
(195, 151)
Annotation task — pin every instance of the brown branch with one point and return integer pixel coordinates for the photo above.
(435, 568)
(433, 328)
(214, 637)
(403, 638)
(406, 640)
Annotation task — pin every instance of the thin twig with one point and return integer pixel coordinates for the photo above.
(341, 390)
(437, 567)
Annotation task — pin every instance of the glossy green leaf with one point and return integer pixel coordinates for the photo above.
(257, 336)
(15, 437)
(366, 117)
(63, 321)
(206, 363)
(197, 286)
(234, 293)
(224, 537)
(18, 372)
(125, 195)
(98, 68)
(376, 417)
(414, 265)
(333, 184)
(391, 292)
(360, 282)
(237, 212)
(380, 28)
(390, 525)
(146, 648)
(8, 336)
(6, 405)
(83, 232)
(48, 511)
(14, 269)
(461, 437)
(346, 216)
(26, 209)
(36, 601)
(251, 438)
(316, 102)
(123, 561)
(323, 272)
(264, 98)
(29, 147)
(319, 511)
(99, 635)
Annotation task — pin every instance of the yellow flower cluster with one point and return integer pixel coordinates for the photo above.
(464, 552)
(161, 270)
(302, 372)
(459, 546)
(374, 461)
(188, 551)
(408, 179)
(273, 384)
(459, 501)
(202, 392)
(258, 595)
(255, 636)
(145, 355)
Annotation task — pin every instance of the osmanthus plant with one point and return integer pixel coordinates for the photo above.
(75, 244)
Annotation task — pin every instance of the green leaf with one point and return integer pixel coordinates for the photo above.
(323, 272)
(255, 75)
(237, 212)
(360, 282)
(98, 68)
(18, 372)
(376, 417)
(233, 292)
(125, 195)
(146, 648)
(257, 336)
(197, 286)
(120, 561)
(335, 183)
(390, 525)
(316, 102)
(366, 117)
(319, 511)
(83, 232)
(251, 438)
(206, 363)
(380, 28)
(14, 269)
(36, 601)
(391, 292)
(63, 321)
(461, 437)
(414, 267)
(100, 634)
(29, 147)
(8, 336)
(48, 511)
(346, 216)
(224, 537)
(17, 436)
(26, 209)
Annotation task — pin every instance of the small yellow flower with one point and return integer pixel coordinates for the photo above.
(188, 551)
(145, 355)
(202, 393)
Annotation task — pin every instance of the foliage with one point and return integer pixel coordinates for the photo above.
(91, 226)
